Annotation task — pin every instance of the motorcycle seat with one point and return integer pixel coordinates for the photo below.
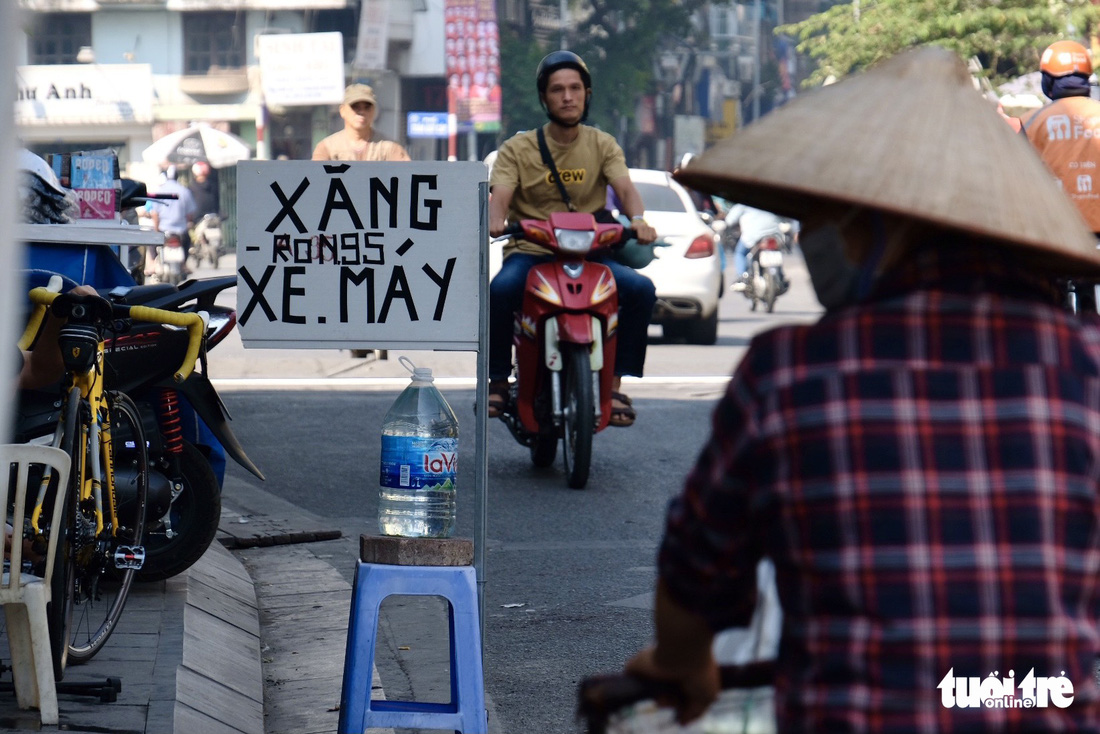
(141, 294)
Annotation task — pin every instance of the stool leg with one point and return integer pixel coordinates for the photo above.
(358, 655)
(374, 583)
(467, 674)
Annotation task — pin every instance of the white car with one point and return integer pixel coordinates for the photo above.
(687, 273)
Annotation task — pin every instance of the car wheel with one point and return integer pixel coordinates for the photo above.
(705, 330)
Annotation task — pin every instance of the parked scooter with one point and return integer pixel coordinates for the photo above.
(206, 240)
(140, 362)
(565, 339)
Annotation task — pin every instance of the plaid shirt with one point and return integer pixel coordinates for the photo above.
(923, 471)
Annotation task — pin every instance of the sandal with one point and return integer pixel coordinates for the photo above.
(498, 398)
(624, 415)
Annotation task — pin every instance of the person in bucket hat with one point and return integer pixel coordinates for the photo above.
(920, 465)
(358, 141)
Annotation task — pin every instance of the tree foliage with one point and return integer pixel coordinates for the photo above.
(1007, 36)
(618, 39)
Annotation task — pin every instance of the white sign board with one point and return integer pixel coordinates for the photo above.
(360, 255)
(301, 68)
(104, 94)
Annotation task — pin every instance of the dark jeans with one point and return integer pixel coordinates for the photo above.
(636, 298)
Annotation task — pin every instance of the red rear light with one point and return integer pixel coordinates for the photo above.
(702, 246)
(768, 243)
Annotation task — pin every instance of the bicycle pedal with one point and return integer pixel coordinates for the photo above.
(130, 556)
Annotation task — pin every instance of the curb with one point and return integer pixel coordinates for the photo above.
(219, 685)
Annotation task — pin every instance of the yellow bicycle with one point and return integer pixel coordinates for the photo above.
(100, 548)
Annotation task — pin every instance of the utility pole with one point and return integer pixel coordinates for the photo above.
(756, 66)
(563, 14)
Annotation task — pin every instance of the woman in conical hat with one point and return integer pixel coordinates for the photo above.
(921, 464)
(905, 148)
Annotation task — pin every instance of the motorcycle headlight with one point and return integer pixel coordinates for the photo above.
(571, 240)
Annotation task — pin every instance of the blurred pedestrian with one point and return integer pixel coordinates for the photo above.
(921, 464)
(358, 141)
(174, 215)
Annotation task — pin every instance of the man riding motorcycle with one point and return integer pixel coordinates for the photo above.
(523, 187)
(1066, 133)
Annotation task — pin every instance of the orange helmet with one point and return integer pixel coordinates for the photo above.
(1063, 58)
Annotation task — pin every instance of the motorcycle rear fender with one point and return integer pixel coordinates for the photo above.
(206, 402)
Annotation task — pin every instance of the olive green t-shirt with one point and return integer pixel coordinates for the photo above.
(587, 166)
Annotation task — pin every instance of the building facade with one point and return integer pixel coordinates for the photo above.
(123, 73)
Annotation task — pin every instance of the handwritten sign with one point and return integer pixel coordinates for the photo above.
(359, 255)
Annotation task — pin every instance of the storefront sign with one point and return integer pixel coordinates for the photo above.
(84, 94)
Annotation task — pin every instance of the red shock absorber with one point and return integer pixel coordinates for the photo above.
(169, 416)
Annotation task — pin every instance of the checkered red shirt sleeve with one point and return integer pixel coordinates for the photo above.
(923, 471)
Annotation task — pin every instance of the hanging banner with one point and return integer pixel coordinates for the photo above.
(359, 255)
(472, 46)
(372, 47)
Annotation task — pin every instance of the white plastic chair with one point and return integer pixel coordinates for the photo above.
(24, 596)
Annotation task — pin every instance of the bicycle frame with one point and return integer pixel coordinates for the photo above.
(97, 535)
(96, 447)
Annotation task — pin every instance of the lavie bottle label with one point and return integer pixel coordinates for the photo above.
(416, 462)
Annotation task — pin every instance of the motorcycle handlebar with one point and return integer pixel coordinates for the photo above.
(601, 696)
(195, 323)
(514, 229)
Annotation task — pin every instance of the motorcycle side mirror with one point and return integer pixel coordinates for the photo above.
(134, 193)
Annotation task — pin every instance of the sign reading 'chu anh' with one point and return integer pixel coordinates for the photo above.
(359, 255)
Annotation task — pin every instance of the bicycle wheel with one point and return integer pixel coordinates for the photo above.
(105, 569)
(62, 576)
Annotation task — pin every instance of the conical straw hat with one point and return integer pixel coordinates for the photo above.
(913, 137)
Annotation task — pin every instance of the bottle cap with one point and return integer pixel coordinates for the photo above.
(419, 374)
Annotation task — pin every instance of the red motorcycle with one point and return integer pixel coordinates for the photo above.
(565, 339)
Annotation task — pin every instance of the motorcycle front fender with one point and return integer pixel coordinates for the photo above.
(576, 328)
(206, 402)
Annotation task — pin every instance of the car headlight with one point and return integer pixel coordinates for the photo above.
(572, 240)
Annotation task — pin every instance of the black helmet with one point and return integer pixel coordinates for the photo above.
(554, 61)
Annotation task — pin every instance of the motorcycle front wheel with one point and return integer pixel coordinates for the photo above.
(579, 415)
(192, 519)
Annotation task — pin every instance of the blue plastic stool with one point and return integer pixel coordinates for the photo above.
(458, 585)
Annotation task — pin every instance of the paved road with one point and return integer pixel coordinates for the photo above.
(569, 574)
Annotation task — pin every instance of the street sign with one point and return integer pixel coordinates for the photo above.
(427, 125)
(359, 255)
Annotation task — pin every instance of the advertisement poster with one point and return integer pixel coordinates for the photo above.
(473, 64)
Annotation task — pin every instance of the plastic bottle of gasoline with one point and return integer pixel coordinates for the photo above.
(416, 496)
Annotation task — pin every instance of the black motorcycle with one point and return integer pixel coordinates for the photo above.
(140, 361)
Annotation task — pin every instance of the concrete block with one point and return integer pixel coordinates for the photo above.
(396, 551)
